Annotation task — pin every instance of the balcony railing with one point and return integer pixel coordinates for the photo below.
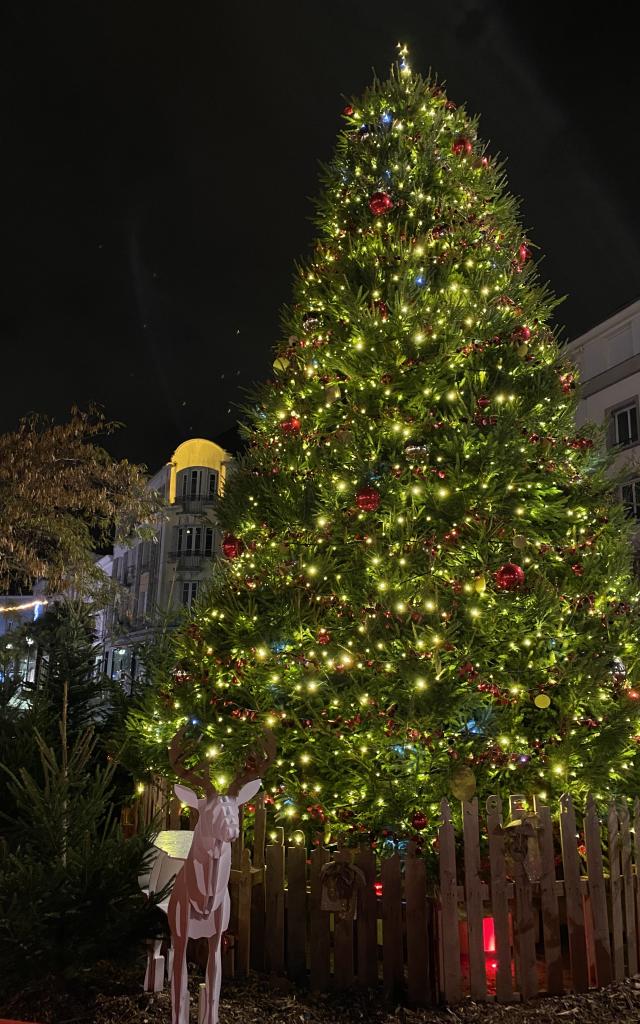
(189, 559)
(197, 504)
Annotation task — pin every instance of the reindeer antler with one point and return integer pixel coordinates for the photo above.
(258, 761)
(199, 775)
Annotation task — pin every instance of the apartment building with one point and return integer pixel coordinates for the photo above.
(159, 576)
(608, 356)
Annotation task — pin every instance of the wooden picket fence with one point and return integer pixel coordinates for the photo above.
(483, 929)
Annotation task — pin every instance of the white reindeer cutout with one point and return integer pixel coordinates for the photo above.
(199, 904)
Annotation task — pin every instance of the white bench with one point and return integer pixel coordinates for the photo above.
(171, 849)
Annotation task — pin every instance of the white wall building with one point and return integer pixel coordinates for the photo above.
(160, 576)
(608, 357)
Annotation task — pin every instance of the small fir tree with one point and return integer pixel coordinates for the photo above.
(427, 583)
(69, 893)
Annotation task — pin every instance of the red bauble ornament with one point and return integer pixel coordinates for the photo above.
(380, 203)
(483, 402)
(509, 576)
(524, 253)
(368, 499)
(577, 568)
(419, 820)
(521, 334)
(381, 308)
(348, 110)
(323, 637)
(290, 426)
(462, 146)
(231, 546)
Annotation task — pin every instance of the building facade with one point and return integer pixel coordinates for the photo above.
(159, 577)
(608, 357)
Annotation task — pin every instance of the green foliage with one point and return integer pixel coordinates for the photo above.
(60, 653)
(417, 442)
(69, 892)
(61, 497)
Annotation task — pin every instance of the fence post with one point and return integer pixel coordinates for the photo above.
(573, 896)
(627, 883)
(473, 899)
(367, 922)
(597, 895)
(523, 920)
(296, 911)
(319, 920)
(615, 889)
(274, 885)
(549, 901)
(258, 908)
(415, 888)
(392, 944)
(499, 900)
(449, 907)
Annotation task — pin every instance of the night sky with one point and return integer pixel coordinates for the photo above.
(157, 160)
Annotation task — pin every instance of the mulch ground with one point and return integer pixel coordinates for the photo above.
(113, 996)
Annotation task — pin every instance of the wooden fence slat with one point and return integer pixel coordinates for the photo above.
(615, 892)
(296, 912)
(392, 944)
(636, 852)
(343, 935)
(473, 899)
(319, 923)
(415, 890)
(597, 895)
(238, 846)
(450, 936)
(258, 908)
(274, 885)
(524, 933)
(367, 921)
(549, 902)
(499, 900)
(174, 813)
(573, 896)
(259, 832)
(243, 927)
(627, 888)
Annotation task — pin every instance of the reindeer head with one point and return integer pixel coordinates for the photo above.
(218, 812)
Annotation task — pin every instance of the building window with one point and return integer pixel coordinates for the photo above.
(625, 425)
(630, 495)
(208, 542)
(189, 540)
(191, 483)
(189, 593)
(213, 485)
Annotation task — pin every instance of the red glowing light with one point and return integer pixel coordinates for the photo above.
(377, 888)
(488, 935)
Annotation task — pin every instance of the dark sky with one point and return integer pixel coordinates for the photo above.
(157, 160)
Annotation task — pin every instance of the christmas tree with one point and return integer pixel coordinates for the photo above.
(427, 585)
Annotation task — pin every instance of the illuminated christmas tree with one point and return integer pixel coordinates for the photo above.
(426, 585)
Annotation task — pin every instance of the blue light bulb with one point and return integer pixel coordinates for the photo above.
(420, 280)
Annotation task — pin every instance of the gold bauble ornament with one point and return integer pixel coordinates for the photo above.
(542, 700)
(463, 783)
(519, 541)
(332, 394)
(480, 584)
(281, 364)
(522, 350)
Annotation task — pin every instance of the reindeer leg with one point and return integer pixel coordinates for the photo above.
(178, 914)
(214, 968)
